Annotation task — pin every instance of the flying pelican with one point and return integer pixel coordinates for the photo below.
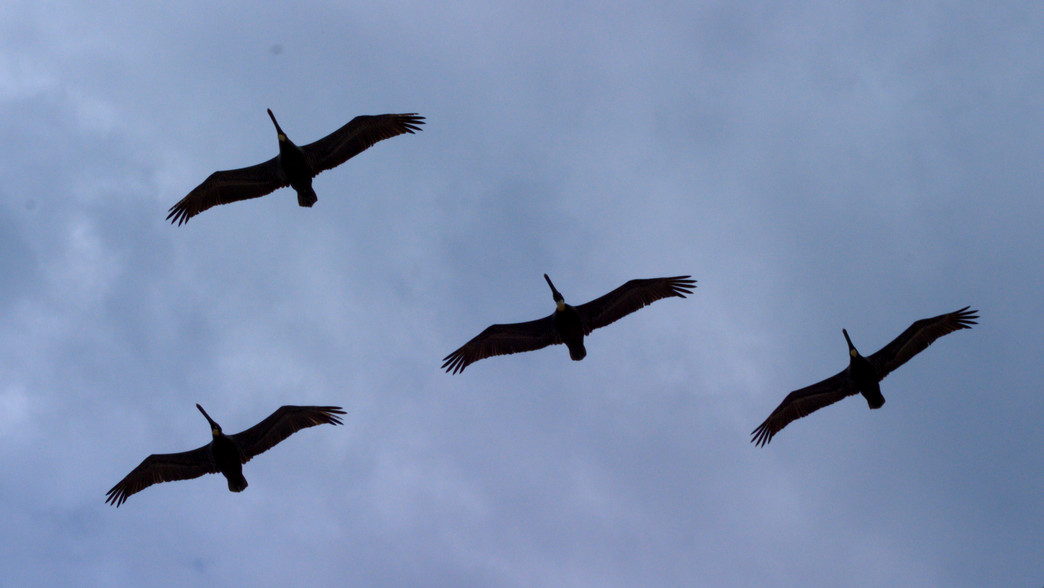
(567, 324)
(225, 454)
(294, 166)
(863, 374)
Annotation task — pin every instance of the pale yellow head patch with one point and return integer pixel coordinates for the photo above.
(561, 305)
(853, 352)
(282, 137)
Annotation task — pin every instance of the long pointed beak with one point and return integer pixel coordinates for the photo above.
(850, 346)
(554, 291)
(272, 116)
(213, 425)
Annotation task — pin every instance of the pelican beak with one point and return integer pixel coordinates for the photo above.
(214, 427)
(279, 131)
(555, 293)
(851, 348)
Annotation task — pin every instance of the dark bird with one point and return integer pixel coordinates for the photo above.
(294, 166)
(225, 454)
(567, 324)
(863, 374)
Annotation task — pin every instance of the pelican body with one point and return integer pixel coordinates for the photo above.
(294, 166)
(225, 453)
(863, 374)
(567, 324)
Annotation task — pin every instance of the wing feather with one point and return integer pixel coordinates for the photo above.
(918, 337)
(223, 187)
(361, 133)
(282, 423)
(503, 340)
(804, 402)
(163, 467)
(630, 297)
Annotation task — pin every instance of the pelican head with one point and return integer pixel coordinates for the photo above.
(282, 137)
(215, 429)
(851, 348)
(559, 299)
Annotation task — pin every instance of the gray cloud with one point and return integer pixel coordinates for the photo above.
(814, 167)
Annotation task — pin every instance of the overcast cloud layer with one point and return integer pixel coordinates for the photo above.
(814, 167)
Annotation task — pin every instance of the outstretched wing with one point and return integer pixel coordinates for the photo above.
(630, 297)
(918, 337)
(804, 402)
(282, 423)
(227, 186)
(163, 467)
(912, 341)
(357, 136)
(503, 340)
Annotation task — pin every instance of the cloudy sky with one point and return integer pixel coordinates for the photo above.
(816, 166)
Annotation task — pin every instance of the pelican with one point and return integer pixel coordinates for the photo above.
(225, 453)
(294, 166)
(863, 374)
(567, 324)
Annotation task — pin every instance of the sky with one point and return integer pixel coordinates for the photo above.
(814, 166)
